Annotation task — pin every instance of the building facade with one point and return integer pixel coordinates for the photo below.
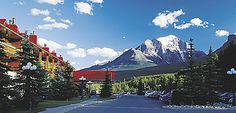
(94, 75)
(12, 45)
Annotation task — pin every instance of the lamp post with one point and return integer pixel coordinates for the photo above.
(174, 85)
(89, 83)
(82, 80)
(232, 72)
(28, 68)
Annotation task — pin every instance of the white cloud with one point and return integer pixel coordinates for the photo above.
(103, 52)
(53, 25)
(97, 62)
(49, 19)
(78, 52)
(52, 2)
(123, 37)
(71, 45)
(54, 45)
(167, 18)
(66, 21)
(51, 44)
(199, 22)
(183, 26)
(221, 33)
(193, 22)
(19, 3)
(97, 1)
(36, 12)
(83, 8)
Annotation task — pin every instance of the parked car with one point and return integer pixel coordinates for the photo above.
(231, 100)
(155, 95)
(147, 93)
(225, 97)
(93, 92)
(166, 98)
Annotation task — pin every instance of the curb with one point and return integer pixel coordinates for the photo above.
(66, 108)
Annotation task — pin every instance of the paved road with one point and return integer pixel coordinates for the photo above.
(135, 104)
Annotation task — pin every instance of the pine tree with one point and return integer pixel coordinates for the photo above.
(23, 81)
(58, 85)
(70, 86)
(5, 80)
(31, 84)
(189, 76)
(226, 62)
(106, 90)
(40, 84)
(140, 87)
(212, 77)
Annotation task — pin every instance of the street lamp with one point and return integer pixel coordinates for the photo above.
(232, 72)
(82, 79)
(174, 85)
(27, 69)
(89, 83)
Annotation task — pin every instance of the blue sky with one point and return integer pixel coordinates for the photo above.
(86, 32)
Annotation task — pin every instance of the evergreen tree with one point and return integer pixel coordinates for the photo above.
(226, 62)
(212, 77)
(106, 90)
(140, 87)
(31, 84)
(5, 80)
(189, 76)
(71, 90)
(58, 85)
(40, 84)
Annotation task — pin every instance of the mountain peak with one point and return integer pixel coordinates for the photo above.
(232, 37)
(172, 43)
(167, 40)
(161, 51)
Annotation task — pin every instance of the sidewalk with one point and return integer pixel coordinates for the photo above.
(63, 109)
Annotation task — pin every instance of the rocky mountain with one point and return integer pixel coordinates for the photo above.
(231, 38)
(157, 52)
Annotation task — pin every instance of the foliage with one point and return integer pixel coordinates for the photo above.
(6, 91)
(32, 85)
(63, 87)
(201, 83)
(226, 62)
(71, 90)
(106, 90)
(140, 88)
(143, 83)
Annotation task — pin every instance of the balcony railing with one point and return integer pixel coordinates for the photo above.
(9, 48)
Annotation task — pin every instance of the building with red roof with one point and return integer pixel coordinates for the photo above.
(94, 75)
(12, 45)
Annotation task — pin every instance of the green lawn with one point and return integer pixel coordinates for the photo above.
(49, 104)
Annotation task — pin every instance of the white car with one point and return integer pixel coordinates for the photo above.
(231, 100)
(147, 93)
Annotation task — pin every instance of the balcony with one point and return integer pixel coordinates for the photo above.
(9, 48)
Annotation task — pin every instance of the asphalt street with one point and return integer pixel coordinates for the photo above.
(136, 104)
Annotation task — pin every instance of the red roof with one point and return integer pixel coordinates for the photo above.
(46, 49)
(3, 21)
(13, 27)
(33, 38)
(93, 75)
(54, 54)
